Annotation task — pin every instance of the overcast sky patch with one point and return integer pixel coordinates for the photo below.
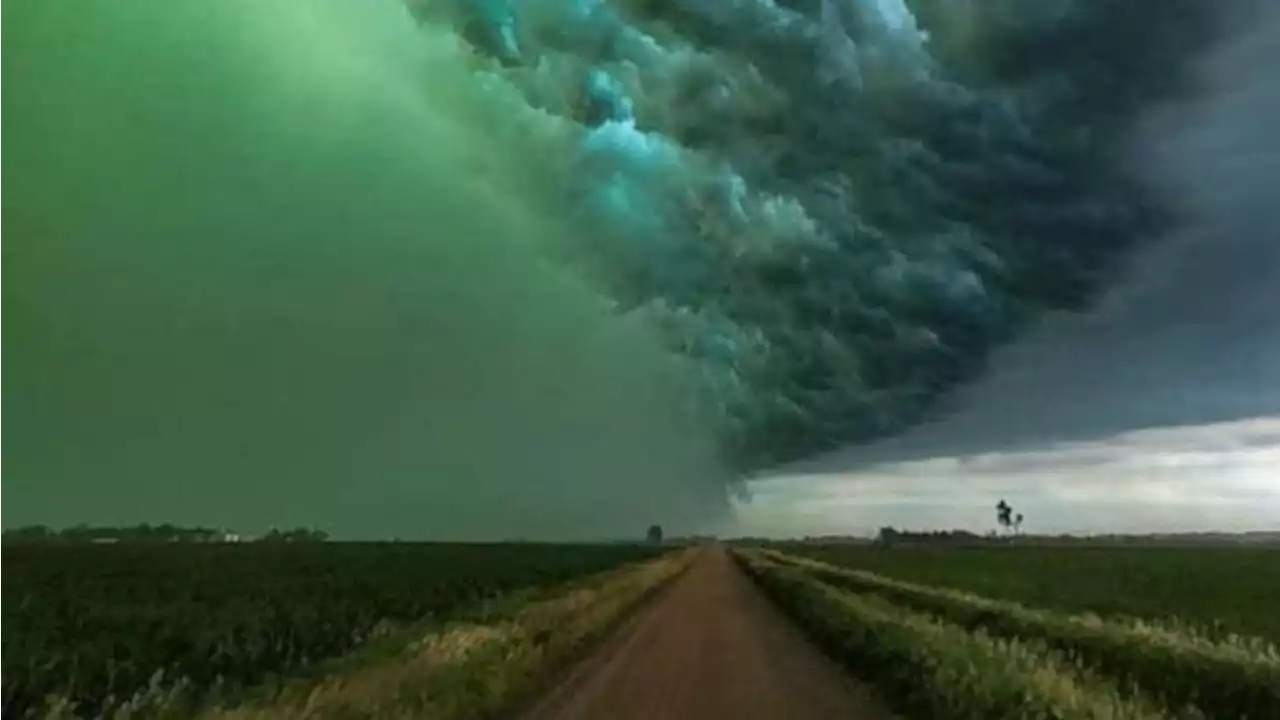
(1224, 476)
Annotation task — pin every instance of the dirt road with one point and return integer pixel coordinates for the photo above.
(710, 647)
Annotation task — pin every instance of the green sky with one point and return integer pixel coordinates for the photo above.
(269, 263)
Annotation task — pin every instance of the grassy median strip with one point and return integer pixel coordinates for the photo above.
(931, 668)
(474, 670)
(1236, 677)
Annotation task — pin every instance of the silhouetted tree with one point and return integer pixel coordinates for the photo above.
(655, 534)
(1004, 514)
(1017, 524)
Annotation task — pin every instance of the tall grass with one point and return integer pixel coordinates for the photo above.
(1233, 677)
(932, 668)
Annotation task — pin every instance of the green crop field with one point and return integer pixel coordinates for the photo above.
(1221, 590)
(100, 624)
(1017, 632)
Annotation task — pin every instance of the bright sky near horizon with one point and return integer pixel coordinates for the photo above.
(1223, 477)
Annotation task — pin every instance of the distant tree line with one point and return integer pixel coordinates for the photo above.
(889, 537)
(144, 532)
(892, 536)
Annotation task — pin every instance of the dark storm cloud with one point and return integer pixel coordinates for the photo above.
(1192, 335)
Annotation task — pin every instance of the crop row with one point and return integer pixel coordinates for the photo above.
(1220, 590)
(931, 668)
(98, 625)
(1231, 678)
